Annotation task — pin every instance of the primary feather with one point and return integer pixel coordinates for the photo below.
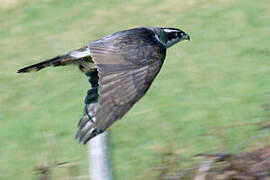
(121, 67)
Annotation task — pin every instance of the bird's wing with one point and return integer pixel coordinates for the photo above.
(116, 87)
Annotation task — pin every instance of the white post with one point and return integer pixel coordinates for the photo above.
(100, 167)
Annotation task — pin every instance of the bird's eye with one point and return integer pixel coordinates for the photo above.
(171, 36)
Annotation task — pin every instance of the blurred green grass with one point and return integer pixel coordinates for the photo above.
(206, 87)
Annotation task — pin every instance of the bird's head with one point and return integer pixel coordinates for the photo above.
(173, 36)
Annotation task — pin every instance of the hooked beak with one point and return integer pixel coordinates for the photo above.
(186, 37)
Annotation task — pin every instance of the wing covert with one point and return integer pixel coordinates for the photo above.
(125, 71)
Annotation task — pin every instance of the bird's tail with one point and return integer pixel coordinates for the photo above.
(56, 61)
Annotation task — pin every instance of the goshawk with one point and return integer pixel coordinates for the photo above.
(121, 68)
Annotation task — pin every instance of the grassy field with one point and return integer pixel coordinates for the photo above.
(206, 98)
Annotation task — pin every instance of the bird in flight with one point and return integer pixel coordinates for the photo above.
(120, 67)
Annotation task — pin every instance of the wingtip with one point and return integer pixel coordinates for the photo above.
(81, 141)
(79, 137)
(85, 137)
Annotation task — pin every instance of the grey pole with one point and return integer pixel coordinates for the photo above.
(100, 166)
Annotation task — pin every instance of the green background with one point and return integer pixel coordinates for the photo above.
(206, 98)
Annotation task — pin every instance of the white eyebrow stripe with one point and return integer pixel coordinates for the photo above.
(170, 30)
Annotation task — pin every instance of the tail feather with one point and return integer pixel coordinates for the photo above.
(71, 58)
(56, 61)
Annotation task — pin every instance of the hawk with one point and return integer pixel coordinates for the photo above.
(121, 67)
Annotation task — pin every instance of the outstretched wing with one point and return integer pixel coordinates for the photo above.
(118, 83)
